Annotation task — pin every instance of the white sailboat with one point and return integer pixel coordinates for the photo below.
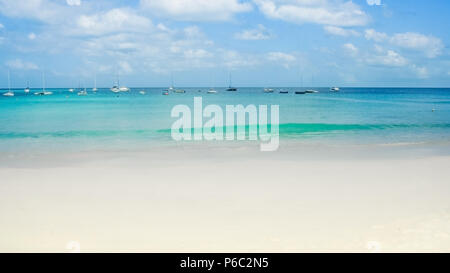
(82, 92)
(117, 88)
(43, 92)
(95, 84)
(27, 90)
(173, 89)
(9, 93)
(212, 90)
(312, 91)
(335, 89)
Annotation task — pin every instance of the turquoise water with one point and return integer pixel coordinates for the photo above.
(104, 120)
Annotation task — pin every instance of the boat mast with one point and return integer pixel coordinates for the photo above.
(43, 81)
(9, 81)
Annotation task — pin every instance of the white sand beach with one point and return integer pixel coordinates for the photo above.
(227, 199)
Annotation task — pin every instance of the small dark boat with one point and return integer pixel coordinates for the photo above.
(284, 92)
(300, 92)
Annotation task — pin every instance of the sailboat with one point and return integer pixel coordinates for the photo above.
(27, 90)
(268, 90)
(95, 84)
(230, 88)
(301, 84)
(173, 89)
(117, 88)
(212, 90)
(9, 93)
(82, 92)
(335, 89)
(311, 91)
(43, 92)
(171, 85)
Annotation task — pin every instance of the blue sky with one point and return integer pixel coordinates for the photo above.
(262, 42)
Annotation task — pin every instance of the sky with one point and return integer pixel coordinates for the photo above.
(359, 43)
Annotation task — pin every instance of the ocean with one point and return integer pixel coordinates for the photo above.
(65, 121)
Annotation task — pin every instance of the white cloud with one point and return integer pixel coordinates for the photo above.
(233, 59)
(421, 72)
(44, 10)
(1, 26)
(31, 36)
(21, 65)
(193, 32)
(125, 67)
(196, 10)
(371, 34)
(386, 58)
(351, 49)
(197, 54)
(283, 58)
(374, 2)
(259, 33)
(326, 12)
(430, 45)
(338, 31)
(73, 2)
(115, 20)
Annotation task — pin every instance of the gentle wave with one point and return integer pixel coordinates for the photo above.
(287, 129)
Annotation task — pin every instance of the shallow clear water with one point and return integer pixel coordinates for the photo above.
(65, 121)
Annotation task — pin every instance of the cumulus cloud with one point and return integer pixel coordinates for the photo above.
(374, 2)
(73, 2)
(421, 72)
(1, 26)
(259, 33)
(234, 59)
(325, 12)
(351, 49)
(430, 45)
(44, 10)
(338, 31)
(197, 53)
(115, 20)
(371, 34)
(282, 58)
(387, 58)
(31, 36)
(21, 65)
(125, 67)
(196, 10)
